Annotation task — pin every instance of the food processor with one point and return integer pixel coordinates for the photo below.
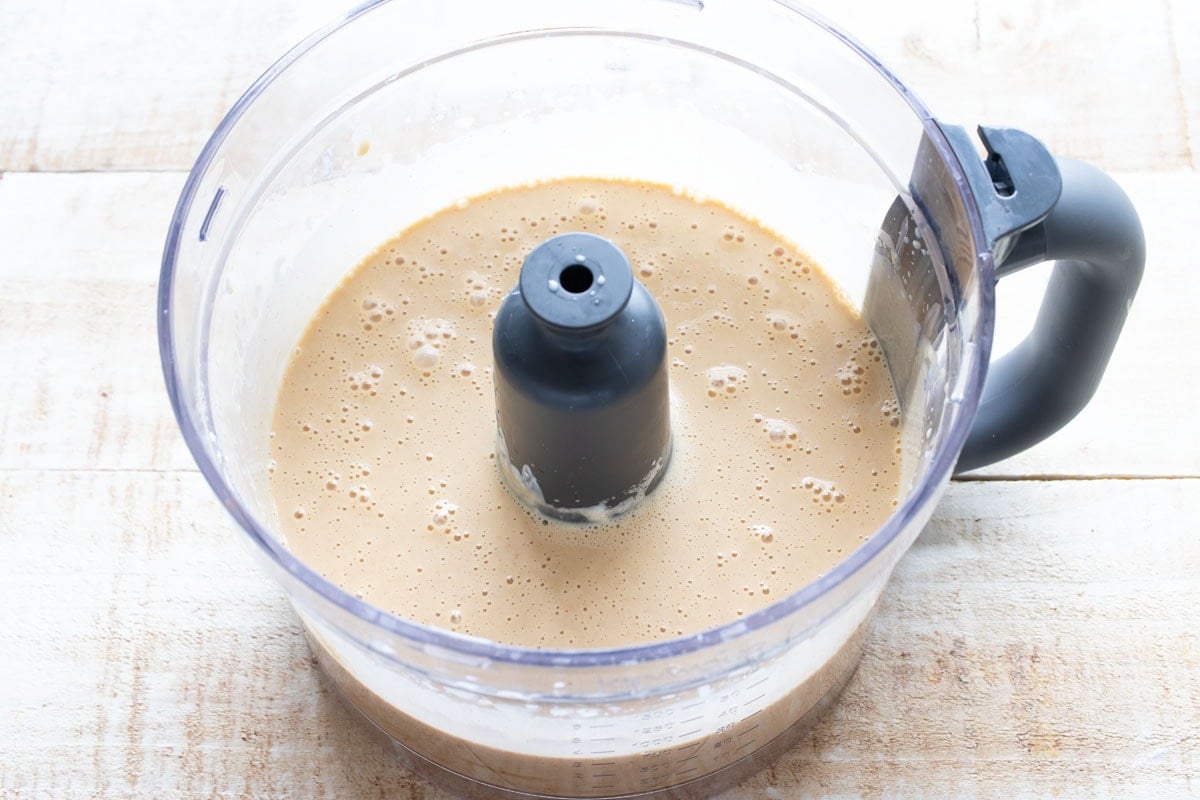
(403, 107)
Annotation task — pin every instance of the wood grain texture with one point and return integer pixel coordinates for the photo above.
(131, 85)
(77, 339)
(1101, 85)
(1034, 642)
(1039, 640)
(1183, 28)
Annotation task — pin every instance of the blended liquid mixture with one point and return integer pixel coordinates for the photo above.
(784, 418)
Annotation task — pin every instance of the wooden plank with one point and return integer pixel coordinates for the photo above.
(1183, 21)
(1096, 85)
(1002, 662)
(78, 277)
(97, 86)
(79, 267)
(177, 671)
(1038, 639)
(90, 86)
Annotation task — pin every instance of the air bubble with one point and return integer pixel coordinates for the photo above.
(442, 512)
(725, 380)
(780, 432)
(765, 533)
(850, 377)
(425, 356)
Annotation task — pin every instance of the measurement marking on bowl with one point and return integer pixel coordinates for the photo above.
(212, 212)
(691, 719)
(689, 758)
(751, 729)
(690, 733)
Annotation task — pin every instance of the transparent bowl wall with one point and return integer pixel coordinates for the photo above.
(405, 107)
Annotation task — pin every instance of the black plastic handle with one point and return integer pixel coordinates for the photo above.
(1094, 235)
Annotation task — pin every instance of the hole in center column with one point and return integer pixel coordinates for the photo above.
(576, 279)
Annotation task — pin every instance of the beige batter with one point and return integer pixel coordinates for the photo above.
(784, 421)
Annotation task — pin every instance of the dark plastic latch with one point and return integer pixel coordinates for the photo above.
(1015, 187)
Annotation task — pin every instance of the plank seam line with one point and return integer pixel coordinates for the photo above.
(1052, 477)
(100, 470)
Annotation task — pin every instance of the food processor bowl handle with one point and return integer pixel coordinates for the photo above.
(1093, 233)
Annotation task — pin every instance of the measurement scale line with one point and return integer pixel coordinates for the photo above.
(693, 744)
(693, 719)
(606, 739)
(686, 771)
(689, 758)
(691, 733)
(755, 700)
(743, 746)
(605, 775)
(604, 763)
(602, 752)
(751, 716)
(691, 706)
(749, 730)
(603, 725)
(759, 682)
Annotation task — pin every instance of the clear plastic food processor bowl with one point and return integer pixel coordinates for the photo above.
(405, 106)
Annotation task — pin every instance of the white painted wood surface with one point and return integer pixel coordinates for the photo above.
(1040, 639)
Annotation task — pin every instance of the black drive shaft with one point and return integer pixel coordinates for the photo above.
(581, 382)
